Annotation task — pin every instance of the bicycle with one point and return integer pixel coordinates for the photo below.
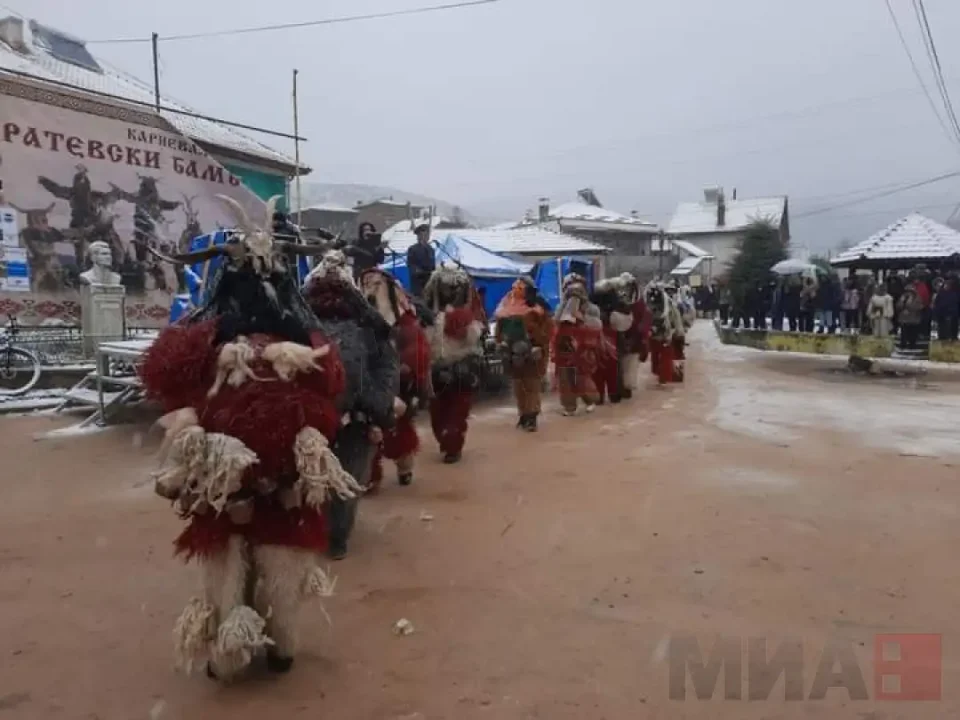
(16, 362)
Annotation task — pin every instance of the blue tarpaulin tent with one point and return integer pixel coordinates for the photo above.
(548, 276)
(492, 274)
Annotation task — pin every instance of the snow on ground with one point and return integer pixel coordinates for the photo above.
(782, 408)
(30, 401)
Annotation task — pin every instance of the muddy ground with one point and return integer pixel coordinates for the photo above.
(769, 497)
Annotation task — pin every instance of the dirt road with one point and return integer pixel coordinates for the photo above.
(766, 498)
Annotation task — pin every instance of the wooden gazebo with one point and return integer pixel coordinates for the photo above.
(910, 241)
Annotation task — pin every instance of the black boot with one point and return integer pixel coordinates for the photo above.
(451, 458)
(531, 425)
(405, 478)
(626, 393)
(278, 663)
(522, 422)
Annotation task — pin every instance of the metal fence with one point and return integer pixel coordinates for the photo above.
(60, 345)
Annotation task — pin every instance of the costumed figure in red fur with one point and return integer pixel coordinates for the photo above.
(616, 314)
(524, 331)
(456, 355)
(369, 406)
(667, 324)
(407, 321)
(637, 337)
(250, 384)
(577, 345)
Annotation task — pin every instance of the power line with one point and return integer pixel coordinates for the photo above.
(877, 196)
(307, 23)
(934, 59)
(916, 72)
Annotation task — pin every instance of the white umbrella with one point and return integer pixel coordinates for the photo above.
(794, 267)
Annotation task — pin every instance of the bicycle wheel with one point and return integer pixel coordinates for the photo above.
(19, 370)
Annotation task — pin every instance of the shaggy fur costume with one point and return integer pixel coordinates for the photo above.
(525, 348)
(252, 384)
(456, 354)
(371, 364)
(617, 318)
(401, 442)
(666, 332)
(577, 345)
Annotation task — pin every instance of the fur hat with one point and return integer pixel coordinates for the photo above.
(448, 285)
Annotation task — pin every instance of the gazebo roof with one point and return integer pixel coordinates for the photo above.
(914, 238)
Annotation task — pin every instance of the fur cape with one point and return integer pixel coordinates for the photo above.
(363, 339)
(459, 318)
(531, 355)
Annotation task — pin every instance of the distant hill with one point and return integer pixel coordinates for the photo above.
(348, 194)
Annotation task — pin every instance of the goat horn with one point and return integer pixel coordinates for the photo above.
(271, 209)
(190, 258)
(241, 214)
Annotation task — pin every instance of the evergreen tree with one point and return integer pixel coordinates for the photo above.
(759, 250)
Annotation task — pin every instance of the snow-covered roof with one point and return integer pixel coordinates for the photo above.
(573, 212)
(39, 63)
(914, 237)
(687, 266)
(385, 201)
(518, 241)
(690, 249)
(331, 207)
(407, 226)
(701, 217)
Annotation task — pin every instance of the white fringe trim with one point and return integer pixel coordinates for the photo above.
(318, 583)
(321, 473)
(195, 630)
(289, 358)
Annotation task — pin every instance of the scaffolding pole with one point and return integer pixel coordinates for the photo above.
(296, 146)
(156, 71)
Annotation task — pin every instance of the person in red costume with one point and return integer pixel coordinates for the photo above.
(615, 312)
(250, 386)
(637, 336)
(407, 322)
(456, 355)
(577, 345)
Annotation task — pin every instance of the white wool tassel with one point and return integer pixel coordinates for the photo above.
(318, 583)
(320, 471)
(238, 637)
(195, 630)
(188, 449)
(289, 358)
(233, 365)
(227, 459)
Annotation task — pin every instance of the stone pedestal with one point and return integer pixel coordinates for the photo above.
(102, 315)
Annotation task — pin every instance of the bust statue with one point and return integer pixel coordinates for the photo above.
(101, 258)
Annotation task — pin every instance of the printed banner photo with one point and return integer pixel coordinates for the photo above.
(77, 171)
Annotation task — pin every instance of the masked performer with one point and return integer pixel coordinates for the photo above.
(456, 355)
(577, 344)
(667, 323)
(250, 383)
(524, 331)
(616, 315)
(407, 320)
(637, 336)
(369, 405)
(685, 313)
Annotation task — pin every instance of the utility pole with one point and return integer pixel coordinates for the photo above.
(156, 71)
(296, 148)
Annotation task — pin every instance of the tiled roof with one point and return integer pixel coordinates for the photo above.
(520, 241)
(701, 217)
(914, 237)
(40, 64)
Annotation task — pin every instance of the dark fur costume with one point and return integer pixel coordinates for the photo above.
(456, 352)
(371, 364)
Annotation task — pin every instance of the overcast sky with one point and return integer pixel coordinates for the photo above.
(647, 101)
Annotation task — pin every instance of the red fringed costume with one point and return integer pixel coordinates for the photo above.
(456, 353)
(666, 332)
(250, 386)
